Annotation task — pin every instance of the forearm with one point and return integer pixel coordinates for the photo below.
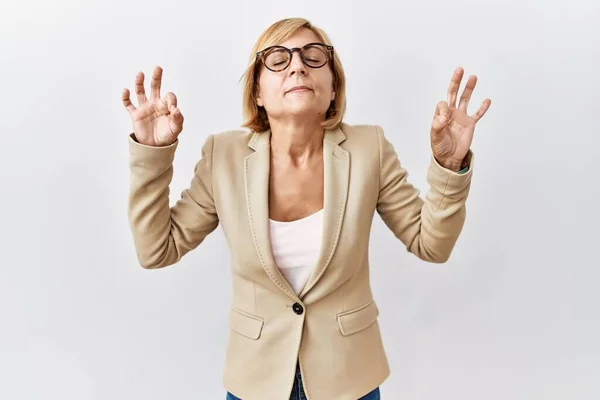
(149, 213)
(429, 226)
(443, 213)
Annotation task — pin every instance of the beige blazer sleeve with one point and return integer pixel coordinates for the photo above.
(163, 234)
(428, 227)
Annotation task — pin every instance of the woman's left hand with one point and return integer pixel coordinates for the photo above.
(452, 128)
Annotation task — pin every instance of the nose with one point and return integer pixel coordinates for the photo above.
(296, 64)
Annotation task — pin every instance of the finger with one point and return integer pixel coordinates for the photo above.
(454, 85)
(176, 120)
(466, 94)
(482, 110)
(441, 109)
(139, 88)
(176, 115)
(171, 101)
(156, 82)
(127, 101)
(441, 117)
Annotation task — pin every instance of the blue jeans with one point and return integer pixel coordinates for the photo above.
(298, 391)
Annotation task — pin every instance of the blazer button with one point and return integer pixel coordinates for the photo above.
(298, 309)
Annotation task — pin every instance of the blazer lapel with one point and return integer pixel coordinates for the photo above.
(256, 179)
(336, 168)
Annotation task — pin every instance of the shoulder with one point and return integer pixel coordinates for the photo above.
(362, 133)
(359, 129)
(232, 137)
(363, 137)
(225, 144)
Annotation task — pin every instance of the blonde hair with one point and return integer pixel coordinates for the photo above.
(255, 116)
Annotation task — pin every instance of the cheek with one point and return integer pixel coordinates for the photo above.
(326, 83)
(326, 91)
(269, 89)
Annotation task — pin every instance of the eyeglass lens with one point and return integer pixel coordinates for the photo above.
(279, 58)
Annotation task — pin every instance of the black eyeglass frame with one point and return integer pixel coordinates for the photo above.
(329, 50)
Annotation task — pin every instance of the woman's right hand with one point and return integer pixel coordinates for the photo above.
(156, 122)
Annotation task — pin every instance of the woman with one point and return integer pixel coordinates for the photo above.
(296, 197)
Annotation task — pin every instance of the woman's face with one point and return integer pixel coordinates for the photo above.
(298, 90)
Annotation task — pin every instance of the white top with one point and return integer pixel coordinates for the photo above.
(296, 246)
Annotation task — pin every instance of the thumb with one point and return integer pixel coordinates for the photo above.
(175, 113)
(439, 122)
(176, 118)
(440, 118)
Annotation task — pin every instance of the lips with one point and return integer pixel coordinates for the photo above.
(298, 88)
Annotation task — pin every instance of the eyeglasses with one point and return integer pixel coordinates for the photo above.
(278, 58)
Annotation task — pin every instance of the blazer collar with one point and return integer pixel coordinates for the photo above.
(336, 166)
(261, 139)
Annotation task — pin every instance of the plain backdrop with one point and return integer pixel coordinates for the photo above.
(513, 315)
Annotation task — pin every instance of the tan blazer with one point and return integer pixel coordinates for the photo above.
(331, 328)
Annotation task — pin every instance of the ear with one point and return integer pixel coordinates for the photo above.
(259, 101)
(332, 95)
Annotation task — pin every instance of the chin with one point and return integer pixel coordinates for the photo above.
(307, 109)
(298, 109)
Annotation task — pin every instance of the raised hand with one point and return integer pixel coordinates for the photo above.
(156, 122)
(452, 128)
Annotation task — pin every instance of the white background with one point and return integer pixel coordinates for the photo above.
(513, 315)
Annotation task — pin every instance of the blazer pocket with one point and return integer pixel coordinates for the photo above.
(245, 324)
(357, 319)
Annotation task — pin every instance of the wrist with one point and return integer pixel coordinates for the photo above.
(451, 165)
(454, 165)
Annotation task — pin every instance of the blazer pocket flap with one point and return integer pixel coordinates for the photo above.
(245, 324)
(356, 320)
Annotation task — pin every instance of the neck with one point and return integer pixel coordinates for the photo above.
(296, 140)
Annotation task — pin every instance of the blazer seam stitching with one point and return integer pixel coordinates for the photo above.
(260, 256)
(337, 232)
(212, 153)
(378, 132)
(443, 195)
